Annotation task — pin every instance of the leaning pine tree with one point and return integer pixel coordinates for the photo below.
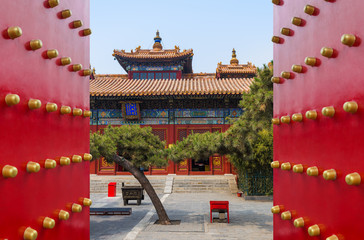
(133, 147)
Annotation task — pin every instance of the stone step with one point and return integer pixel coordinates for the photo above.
(169, 183)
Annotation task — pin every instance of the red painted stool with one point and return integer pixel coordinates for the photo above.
(219, 206)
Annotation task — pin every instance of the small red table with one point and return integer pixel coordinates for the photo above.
(219, 206)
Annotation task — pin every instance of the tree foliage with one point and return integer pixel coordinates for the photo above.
(138, 145)
(250, 139)
(197, 146)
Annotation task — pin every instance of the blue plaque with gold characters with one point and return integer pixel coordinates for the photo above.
(131, 110)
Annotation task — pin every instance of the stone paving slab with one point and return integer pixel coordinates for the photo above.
(189, 223)
(249, 220)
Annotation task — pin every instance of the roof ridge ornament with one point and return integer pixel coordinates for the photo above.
(234, 60)
(157, 46)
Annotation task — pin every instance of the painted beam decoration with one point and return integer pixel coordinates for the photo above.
(318, 120)
(44, 101)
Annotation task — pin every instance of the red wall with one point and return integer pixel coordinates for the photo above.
(36, 135)
(328, 143)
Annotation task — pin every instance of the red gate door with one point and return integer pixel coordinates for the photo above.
(319, 116)
(44, 105)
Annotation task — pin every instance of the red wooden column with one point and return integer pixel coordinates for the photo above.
(35, 136)
(318, 151)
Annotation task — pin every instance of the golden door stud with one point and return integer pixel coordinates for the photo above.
(63, 215)
(66, 13)
(50, 164)
(310, 10)
(77, 112)
(276, 2)
(333, 237)
(9, 171)
(314, 230)
(36, 44)
(275, 164)
(86, 72)
(328, 111)
(286, 215)
(87, 202)
(285, 119)
(65, 61)
(312, 114)
(311, 61)
(312, 171)
(353, 179)
(30, 234)
(276, 80)
(286, 31)
(297, 68)
(276, 209)
(33, 167)
(76, 67)
(327, 52)
(296, 21)
(286, 166)
(76, 208)
(348, 39)
(86, 32)
(286, 75)
(299, 222)
(87, 113)
(34, 104)
(350, 107)
(275, 121)
(48, 223)
(65, 110)
(53, 53)
(12, 99)
(76, 159)
(329, 174)
(77, 24)
(276, 39)
(14, 32)
(87, 157)
(53, 3)
(64, 161)
(51, 107)
(298, 168)
(297, 117)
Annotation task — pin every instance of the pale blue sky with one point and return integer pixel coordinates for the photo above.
(212, 28)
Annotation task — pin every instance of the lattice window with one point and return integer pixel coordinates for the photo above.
(151, 75)
(173, 75)
(135, 75)
(182, 133)
(161, 133)
(165, 75)
(158, 75)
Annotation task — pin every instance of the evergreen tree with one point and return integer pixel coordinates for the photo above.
(133, 147)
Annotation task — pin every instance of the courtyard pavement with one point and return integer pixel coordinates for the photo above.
(249, 220)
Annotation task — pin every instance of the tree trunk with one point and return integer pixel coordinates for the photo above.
(143, 180)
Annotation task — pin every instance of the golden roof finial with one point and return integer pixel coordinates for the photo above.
(234, 60)
(157, 46)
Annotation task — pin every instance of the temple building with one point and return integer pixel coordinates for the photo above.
(160, 90)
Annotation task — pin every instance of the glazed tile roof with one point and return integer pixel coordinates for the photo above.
(241, 68)
(109, 85)
(153, 54)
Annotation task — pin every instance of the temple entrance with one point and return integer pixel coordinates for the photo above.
(202, 165)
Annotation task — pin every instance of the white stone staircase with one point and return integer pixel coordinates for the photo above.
(169, 183)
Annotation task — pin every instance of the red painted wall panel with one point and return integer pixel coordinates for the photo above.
(328, 143)
(36, 135)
